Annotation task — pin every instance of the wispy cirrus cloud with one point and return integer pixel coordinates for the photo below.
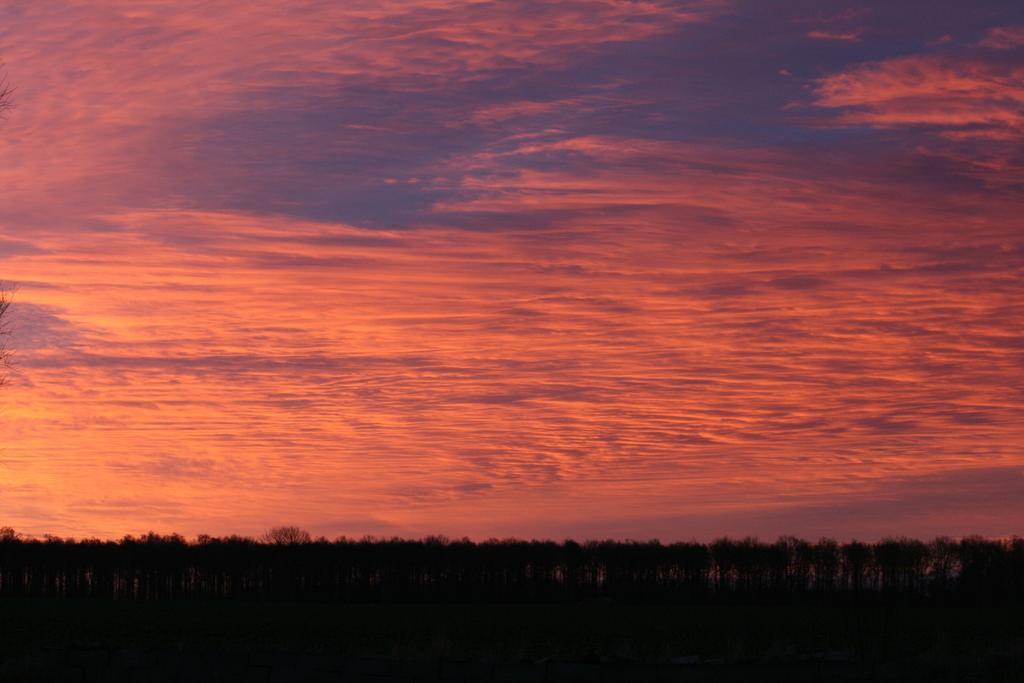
(842, 36)
(162, 82)
(959, 95)
(1004, 37)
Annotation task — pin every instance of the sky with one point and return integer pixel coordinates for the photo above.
(590, 268)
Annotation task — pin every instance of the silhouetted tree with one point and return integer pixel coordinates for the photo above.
(292, 566)
(287, 535)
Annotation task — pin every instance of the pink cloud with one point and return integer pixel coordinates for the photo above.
(842, 36)
(1004, 38)
(927, 90)
(140, 73)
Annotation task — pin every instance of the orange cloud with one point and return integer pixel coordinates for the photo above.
(723, 332)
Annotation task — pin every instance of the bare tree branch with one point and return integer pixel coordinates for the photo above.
(5, 95)
(286, 535)
(5, 356)
(5, 293)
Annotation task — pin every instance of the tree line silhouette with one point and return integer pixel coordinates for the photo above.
(152, 567)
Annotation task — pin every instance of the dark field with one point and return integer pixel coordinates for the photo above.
(88, 639)
(163, 609)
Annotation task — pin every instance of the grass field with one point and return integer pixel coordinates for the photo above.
(643, 633)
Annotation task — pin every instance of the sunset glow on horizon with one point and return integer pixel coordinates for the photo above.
(598, 268)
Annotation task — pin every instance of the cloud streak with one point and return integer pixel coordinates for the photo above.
(927, 90)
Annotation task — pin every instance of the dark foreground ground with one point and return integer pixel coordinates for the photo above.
(228, 641)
